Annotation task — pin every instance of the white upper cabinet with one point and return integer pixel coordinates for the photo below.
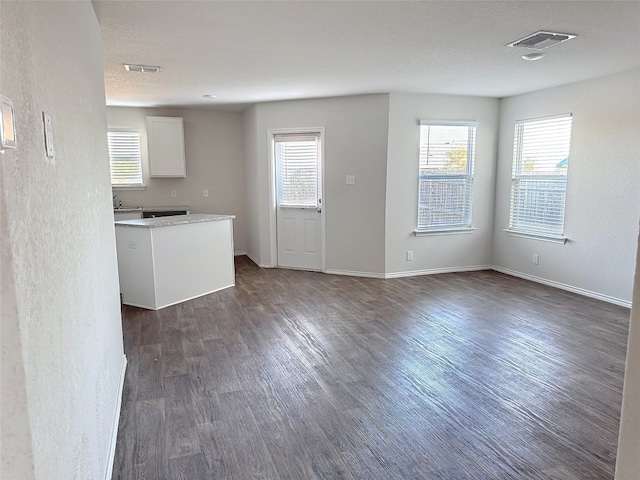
(165, 136)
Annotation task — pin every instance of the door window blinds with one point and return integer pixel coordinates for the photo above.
(446, 175)
(297, 159)
(125, 158)
(539, 181)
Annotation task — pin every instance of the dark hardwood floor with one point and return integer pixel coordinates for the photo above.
(298, 375)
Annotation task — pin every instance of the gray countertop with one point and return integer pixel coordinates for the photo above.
(173, 220)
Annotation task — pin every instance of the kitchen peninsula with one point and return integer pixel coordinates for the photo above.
(168, 260)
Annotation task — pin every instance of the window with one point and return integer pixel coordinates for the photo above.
(539, 180)
(446, 175)
(297, 165)
(125, 158)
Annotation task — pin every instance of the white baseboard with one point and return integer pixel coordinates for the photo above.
(435, 271)
(352, 273)
(239, 254)
(116, 421)
(564, 286)
(263, 265)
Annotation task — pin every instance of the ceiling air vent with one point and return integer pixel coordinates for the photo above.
(541, 40)
(141, 68)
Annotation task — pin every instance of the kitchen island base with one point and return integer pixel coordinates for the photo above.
(169, 260)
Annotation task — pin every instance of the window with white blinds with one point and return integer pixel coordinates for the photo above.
(297, 159)
(539, 180)
(447, 152)
(125, 158)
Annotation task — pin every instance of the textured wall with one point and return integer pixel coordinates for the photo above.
(61, 235)
(628, 460)
(214, 159)
(17, 459)
(438, 251)
(603, 198)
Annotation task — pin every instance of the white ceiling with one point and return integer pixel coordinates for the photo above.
(255, 51)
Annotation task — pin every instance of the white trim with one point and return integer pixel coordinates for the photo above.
(564, 286)
(253, 259)
(239, 254)
(436, 271)
(447, 123)
(536, 236)
(116, 421)
(147, 307)
(352, 273)
(443, 231)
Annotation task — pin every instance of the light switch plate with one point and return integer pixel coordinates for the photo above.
(205, 193)
(48, 135)
(351, 179)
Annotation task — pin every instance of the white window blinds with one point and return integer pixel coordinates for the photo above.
(125, 158)
(297, 165)
(446, 174)
(539, 181)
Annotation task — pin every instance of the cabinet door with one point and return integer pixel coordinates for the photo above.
(165, 137)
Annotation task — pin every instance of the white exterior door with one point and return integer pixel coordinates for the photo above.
(298, 162)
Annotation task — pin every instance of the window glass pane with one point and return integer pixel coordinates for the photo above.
(538, 187)
(297, 162)
(543, 146)
(445, 176)
(125, 158)
(444, 149)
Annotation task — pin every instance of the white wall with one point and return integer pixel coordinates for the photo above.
(251, 158)
(61, 239)
(628, 460)
(446, 252)
(603, 198)
(355, 144)
(214, 159)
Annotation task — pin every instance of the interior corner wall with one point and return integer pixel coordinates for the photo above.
(213, 142)
(250, 127)
(603, 198)
(356, 130)
(436, 253)
(61, 236)
(628, 460)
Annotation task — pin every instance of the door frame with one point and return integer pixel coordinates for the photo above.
(273, 229)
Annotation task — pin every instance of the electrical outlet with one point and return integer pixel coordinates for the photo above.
(536, 259)
(205, 193)
(350, 180)
(409, 255)
(174, 193)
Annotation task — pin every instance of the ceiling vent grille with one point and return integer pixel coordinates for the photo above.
(541, 40)
(129, 67)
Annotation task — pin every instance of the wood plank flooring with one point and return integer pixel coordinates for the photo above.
(298, 375)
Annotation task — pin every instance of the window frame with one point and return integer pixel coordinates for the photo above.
(127, 186)
(467, 225)
(292, 137)
(518, 177)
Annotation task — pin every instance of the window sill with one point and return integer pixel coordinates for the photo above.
(538, 236)
(128, 187)
(443, 231)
